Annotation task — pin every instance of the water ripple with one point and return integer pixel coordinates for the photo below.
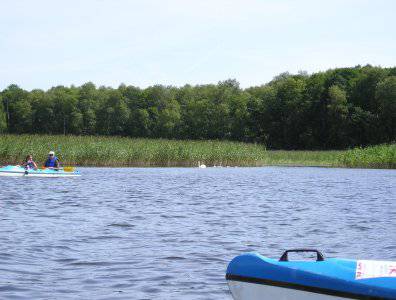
(169, 233)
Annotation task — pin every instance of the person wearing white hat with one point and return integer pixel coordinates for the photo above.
(52, 161)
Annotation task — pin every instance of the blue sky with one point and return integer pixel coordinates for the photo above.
(48, 43)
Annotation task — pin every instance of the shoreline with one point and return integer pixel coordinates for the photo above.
(217, 167)
(144, 165)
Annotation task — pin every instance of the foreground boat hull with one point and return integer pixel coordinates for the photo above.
(251, 276)
(246, 290)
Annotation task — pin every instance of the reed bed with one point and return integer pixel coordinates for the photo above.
(120, 151)
(380, 156)
(304, 158)
(123, 152)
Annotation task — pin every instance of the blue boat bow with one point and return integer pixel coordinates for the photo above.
(333, 277)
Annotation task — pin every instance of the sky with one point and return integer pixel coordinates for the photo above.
(44, 43)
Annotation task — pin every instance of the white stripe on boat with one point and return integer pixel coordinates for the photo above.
(252, 291)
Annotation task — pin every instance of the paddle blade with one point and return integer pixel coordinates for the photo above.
(68, 169)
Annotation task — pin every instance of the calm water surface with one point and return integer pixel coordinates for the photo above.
(169, 233)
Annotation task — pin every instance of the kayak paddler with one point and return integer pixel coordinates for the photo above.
(29, 163)
(52, 161)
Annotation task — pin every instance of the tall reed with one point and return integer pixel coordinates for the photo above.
(380, 156)
(122, 151)
(119, 151)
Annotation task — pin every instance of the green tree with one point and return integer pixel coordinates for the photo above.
(18, 109)
(168, 120)
(227, 105)
(88, 100)
(196, 121)
(263, 122)
(3, 121)
(386, 97)
(363, 129)
(289, 109)
(113, 113)
(239, 116)
(314, 136)
(337, 109)
(364, 88)
(164, 111)
(43, 112)
(139, 123)
(67, 117)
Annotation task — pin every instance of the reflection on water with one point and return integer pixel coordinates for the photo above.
(169, 233)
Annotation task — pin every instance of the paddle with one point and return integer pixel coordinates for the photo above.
(66, 169)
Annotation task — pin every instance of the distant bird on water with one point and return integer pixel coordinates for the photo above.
(203, 166)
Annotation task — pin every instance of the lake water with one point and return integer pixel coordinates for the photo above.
(169, 233)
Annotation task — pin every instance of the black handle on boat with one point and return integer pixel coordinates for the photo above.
(319, 255)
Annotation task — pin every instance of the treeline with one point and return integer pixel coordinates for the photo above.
(336, 109)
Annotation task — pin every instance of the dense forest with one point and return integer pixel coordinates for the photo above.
(336, 109)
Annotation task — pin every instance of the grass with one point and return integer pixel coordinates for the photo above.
(119, 151)
(304, 158)
(381, 156)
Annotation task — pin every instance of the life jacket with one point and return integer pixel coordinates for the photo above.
(50, 163)
(30, 164)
